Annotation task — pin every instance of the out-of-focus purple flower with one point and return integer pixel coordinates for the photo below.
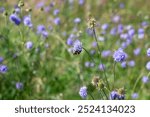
(121, 97)
(81, 2)
(131, 63)
(77, 20)
(106, 53)
(17, 10)
(47, 9)
(40, 4)
(144, 24)
(77, 47)
(135, 95)
(45, 34)
(124, 45)
(148, 52)
(137, 51)
(92, 64)
(56, 11)
(113, 31)
(89, 32)
(40, 29)
(120, 28)
(27, 21)
(101, 67)
(113, 95)
(94, 44)
(70, 41)
(131, 32)
(29, 44)
(52, 4)
(145, 79)
(128, 27)
(2, 9)
(19, 85)
(124, 36)
(92, 52)
(116, 19)
(105, 26)
(140, 33)
(1, 59)
(15, 19)
(148, 65)
(119, 55)
(87, 64)
(124, 64)
(121, 5)
(3, 68)
(57, 21)
(83, 92)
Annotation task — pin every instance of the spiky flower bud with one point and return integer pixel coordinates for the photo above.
(21, 3)
(91, 22)
(5, 13)
(95, 80)
(28, 10)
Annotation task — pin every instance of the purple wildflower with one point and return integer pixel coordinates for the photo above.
(135, 95)
(148, 65)
(113, 95)
(57, 21)
(27, 21)
(145, 79)
(137, 51)
(124, 64)
(119, 55)
(3, 68)
(15, 19)
(101, 67)
(77, 47)
(1, 59)
(19, 85)
(77, 20)
(131, 63)
(56, 12)
(29, 45)
(83, 92)
(148, 52)
(105, 26)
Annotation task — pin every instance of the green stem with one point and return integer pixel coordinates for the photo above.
(89, 55)
(95, 36)
(91, 96)
(114, 75)
(105, 94)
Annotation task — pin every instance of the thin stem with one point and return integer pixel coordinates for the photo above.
(105, 94)
(101, 96)
(114, 74)
(89, 54)
(95, 36)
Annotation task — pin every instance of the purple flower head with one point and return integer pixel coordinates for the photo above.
(27, 21)
(119, 55)
(92, 52)
(144, 24)
(101, 38)
(101, 67)
(148, 52)
(56, 12)
(17, 10)
(87, 64)
(106, 53)
(15, 19)
(113, 31)
(57, 21)
(137, 51)
(92, 64)
(77, 47)
(77, 20)
(40, 4)
(45, 34)
(116, 19)
(124, 64)
(2, 9)
(140, 33)
(105, 26)
(121, 5)
(83, 92)
(94, 44)
(19, 85)
(70, 41)
(40, 29)
(121, 97)
(3, 68)
(131, 32)
(131, 63)
(89, 32)
(148, 65)
(145, 79)
(29, 45)
(135, 95)
(124, 45)
(113, 95)
(1, 59)
(120, 28)
(124, 36)
(81, 2)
